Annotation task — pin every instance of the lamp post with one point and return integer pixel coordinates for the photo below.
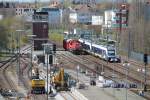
(18, 53)
(32, 45)
(126, 65)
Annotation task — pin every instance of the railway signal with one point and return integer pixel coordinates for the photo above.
(50, 59)
(54, 48)
(145, 59)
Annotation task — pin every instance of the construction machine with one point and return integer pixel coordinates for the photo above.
(38, 86)
(35, 73)
(60, 81)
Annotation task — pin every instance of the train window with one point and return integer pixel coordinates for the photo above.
(87, 47)
(111, 52)
(99, 51)
(84, 46)
(94, 49)
(103, 52)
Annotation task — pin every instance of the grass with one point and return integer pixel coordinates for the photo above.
(57, 37)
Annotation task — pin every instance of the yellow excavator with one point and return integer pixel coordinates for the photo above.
(60, 81)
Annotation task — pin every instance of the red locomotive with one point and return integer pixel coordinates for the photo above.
(72, 45)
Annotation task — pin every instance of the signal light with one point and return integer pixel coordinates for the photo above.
(50, 59)
(145, 59)
(54, 48)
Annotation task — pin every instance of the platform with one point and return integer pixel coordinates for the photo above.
(96, 93)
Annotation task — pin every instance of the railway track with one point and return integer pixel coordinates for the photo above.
(82, 64)
(135, 63)
(6, 83)
(67, 95)
(119, 69)
(133, 74)
(3, 68)
(26, 80)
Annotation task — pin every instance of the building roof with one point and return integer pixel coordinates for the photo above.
(82, 8)
(41, 13)
(49, 9)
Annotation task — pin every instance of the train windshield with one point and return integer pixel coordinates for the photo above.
(111, 52)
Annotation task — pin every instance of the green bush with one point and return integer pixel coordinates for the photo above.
(57, 37)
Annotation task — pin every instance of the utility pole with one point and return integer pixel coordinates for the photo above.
(48, 48)
(126, 64)
(18, 58)
(35, 2)
(129, 44)
(145, 74)
(32, 48)
(18, 53)
(12, 42)
(145, 56)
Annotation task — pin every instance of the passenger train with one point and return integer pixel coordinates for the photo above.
(107, 53)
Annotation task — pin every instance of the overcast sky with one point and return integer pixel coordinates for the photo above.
(24, 0)
(50, 0)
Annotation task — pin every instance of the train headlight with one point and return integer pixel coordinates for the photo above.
(111, 59)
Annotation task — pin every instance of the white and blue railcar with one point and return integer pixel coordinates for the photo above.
(107, 53)
(86, 45)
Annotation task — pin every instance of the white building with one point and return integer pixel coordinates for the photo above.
(80, 17)
(112, 18)
(20, 11)
(97, 20)
(84, 17)
(109, 14)
(109, 20)
(73, 17)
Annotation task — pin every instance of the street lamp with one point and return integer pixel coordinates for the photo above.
(126, 65)
(18, 53)
(32, 44)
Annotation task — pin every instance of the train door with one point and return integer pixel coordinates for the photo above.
(104, 55)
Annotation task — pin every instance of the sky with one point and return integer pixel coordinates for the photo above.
(50, 0)
(43, 0)
(24, 0)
